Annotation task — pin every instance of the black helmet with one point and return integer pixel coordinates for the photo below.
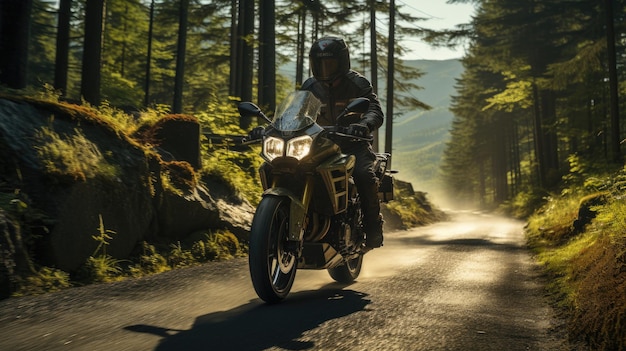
(329, 58)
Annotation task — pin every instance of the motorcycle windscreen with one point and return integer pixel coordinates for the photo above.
(297, 111)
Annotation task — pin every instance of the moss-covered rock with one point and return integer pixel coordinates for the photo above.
(76, 168)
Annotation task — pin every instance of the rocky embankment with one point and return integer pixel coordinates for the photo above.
(67, 175)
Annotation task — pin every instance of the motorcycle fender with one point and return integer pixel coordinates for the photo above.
(297, 212)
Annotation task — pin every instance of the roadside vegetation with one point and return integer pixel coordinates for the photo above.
(76, 158)
(579, 236)
(149, 259)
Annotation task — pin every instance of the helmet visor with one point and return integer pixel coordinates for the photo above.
(325, 68)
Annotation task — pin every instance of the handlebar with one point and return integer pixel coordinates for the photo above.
(342, 132)
(243, 139)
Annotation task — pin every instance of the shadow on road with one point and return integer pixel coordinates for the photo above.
(257, 326)
(462, 244)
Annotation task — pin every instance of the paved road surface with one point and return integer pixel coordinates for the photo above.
(465, 284)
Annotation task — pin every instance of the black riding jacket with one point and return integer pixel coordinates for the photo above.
(337, 96)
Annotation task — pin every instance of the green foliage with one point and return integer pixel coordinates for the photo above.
(586, 266)
(613, 219)
(219, 245)
(524, 203)
(72, 156)
(102, 238)
(552, 223)
(178, 257)
(122, 122)
(45, 280)
(531, 96)
(590, 175)
(236, 169)
(121, 91)
(41, 51)
(409, 209)
(101, 267)
(149, 262)
(225, 245)
(144, 120)
(518, 94)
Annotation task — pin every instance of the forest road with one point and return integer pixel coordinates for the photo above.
(465, 284)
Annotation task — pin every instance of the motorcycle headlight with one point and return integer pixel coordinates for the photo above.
(299, 147)
(273, 147)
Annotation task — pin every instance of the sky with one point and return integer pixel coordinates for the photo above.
(440, 16)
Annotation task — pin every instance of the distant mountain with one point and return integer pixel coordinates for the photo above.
(419, 137)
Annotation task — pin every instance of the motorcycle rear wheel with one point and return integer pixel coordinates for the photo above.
(347, 272)
(272, 266)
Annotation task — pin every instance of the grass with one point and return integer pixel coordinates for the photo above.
(72, 156)
(587, 267)
(102, 268)
(44, 280)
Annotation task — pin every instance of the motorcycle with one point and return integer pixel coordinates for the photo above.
(309, 216)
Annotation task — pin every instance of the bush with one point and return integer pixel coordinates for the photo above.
(44, 280)
(149, 262)
(101, 269)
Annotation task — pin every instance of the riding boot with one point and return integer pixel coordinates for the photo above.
(372, 219)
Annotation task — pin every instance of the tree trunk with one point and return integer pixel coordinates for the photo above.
(267, 55)
(63, 46)
(92, 51)
(499, 161)
(246, 59)
(14, 38)
(390, 79)
(515, 166)
(233, 49)
(550, 153)
(149, 56)
(300, 57)
(248, 50)
(179, 79)
(615, 139)
(373, 62)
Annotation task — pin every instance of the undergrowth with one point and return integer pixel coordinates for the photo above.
(72, 156)
(580, 239)
(411, 208)
(149, 259)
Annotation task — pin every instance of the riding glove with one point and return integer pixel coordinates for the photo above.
(256, 133)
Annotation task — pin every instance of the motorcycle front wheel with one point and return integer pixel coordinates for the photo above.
(347, 272)
(272, 265)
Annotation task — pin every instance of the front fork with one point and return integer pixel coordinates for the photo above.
(298, 208)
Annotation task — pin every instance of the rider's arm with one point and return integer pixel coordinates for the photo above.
(373, 118)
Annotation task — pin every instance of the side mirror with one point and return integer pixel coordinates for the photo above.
(248, 109)
(353, 111)
(358, 105)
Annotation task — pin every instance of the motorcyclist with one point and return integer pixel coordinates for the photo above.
(335, 84)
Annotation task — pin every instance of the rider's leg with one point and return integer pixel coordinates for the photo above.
(367, 186)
